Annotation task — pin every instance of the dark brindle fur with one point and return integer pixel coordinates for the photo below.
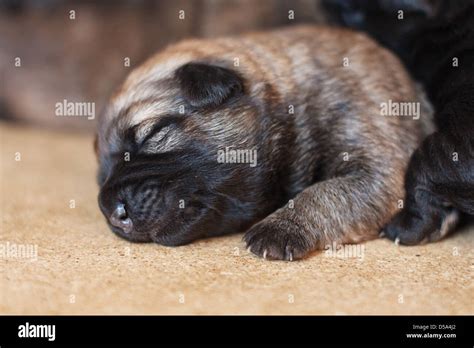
(338, 160)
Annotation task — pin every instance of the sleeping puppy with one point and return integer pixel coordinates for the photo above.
(292, 136)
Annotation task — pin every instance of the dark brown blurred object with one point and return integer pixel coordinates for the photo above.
(82, 59)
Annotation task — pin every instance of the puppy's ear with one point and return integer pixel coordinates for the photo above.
(206, 85)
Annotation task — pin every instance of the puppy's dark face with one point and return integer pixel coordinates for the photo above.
(158, 144)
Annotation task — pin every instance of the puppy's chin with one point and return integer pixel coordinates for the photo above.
(172, 239)
(157, 235)
(133, 236)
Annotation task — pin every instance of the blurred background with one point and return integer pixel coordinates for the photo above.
(55, 50)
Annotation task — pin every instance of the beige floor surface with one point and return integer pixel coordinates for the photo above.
(82, 268)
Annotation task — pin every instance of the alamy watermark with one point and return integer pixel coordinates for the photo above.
(401, 109)
(231, 155)
(28, 330)
(68, 108)
(345, 251)
(18, 251)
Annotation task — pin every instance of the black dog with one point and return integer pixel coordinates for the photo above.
(435, 39)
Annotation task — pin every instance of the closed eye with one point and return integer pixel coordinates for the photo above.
(136, 137)
(164, 122)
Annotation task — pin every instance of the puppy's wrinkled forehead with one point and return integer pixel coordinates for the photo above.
(177, 83)
(149, 94)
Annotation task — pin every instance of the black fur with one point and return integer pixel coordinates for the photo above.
(206, 85)
(161, 180)
(427, 40)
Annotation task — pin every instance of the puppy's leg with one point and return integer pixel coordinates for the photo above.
(347, 208)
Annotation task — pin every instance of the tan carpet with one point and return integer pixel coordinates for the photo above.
(81, 267)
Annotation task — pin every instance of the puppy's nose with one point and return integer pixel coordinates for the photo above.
(120, 219)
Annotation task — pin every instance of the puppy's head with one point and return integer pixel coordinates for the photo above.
(158, 146)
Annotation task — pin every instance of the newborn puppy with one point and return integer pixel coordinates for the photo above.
(282, 134)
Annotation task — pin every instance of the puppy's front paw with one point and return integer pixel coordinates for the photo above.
(278, 240)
